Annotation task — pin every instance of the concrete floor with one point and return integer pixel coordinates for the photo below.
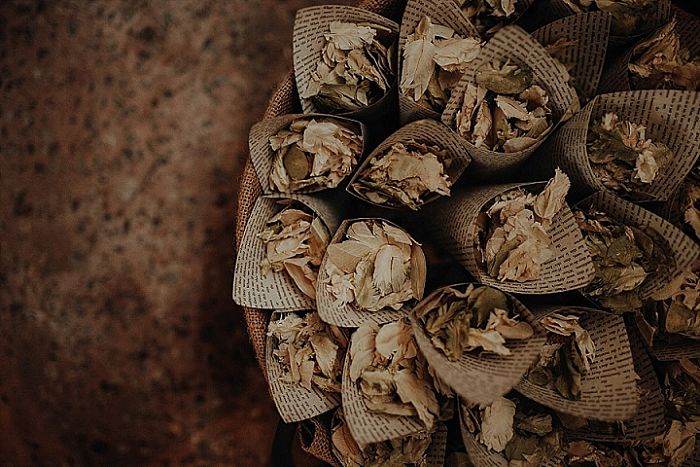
(123, 130)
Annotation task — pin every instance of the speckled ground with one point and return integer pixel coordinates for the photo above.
(123, 129)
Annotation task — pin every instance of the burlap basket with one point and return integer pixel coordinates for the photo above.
(315, 433)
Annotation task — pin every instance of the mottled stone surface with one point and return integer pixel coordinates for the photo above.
(123, 128)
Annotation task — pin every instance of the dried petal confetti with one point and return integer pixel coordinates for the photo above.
(677, 310)
(356, 68)
(313, 153)
(391, 374)
(624, 258)
(489, 15)
(622, 157)
(660, 62)
(566, 356)
(478, 317)
(434, 58)
(295, 240)
(513, 239)
(504, 110)
(377, 266)
(407, 450)
(407, 174)
(310, 351)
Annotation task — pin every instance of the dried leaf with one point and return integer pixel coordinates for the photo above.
(489, 15)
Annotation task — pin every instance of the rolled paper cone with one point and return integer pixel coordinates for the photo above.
(609, 388)
(443, 13)
(350, 315)
(293, 401)
(262, 155)
(275, 290)
(649, 420)
(684, 250)
(671, 117)
(617, 75)
(428, 132)
(482, 456)
(590, 34)
(310, 25)
(482, 377)
(372, 427)
(518, 47)
(668, 350)
(570, 269)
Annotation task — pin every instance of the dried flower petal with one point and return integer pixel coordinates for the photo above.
(621, 156)
(513, 239)
(459, 321)
(390, 372)
(660, 62)
(430, 52)
(374, 268)
(355, 69)
(310, 351)
(629, 17)
(489, 15)
(313, 153)
(406, 175)
(295, 241)
(504, 110)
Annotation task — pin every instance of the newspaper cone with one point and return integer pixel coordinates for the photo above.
(589, 34)
(649, 420)
(293, 401)
(275, 290)
(482, 456)
(609, 388)
(671, 117)
(515, 45)
(674, 348)
(616, 76)
(481, 378)
(570, 269)
(434, 455)
(546, 11)
(443, 13)
(369, 427)
(422, 131)
(684, 250)
(349, 315)
(262, 155)
(310, 25)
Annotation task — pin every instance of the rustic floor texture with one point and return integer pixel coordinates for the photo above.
(123, 129)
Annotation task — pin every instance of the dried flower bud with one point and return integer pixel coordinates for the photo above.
(295, 241)
(313, 153)
(622, 157)
(434, 58)
(459, 321)
(391, 374)
(660, 62)
(513, 239)
(356, 69)
(565, 358)
(489, 15)
(407, 174)
(407, 450)
(377, 266)
(504, 110)
(310, 351)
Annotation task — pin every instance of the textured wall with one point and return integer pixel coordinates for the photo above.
(123, 128)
